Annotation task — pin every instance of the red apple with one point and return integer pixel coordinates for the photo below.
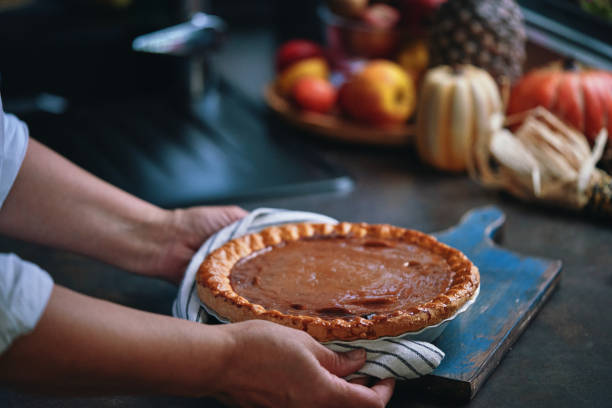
(347, 8)
(309, 67)
(416, 13)
(381, 16)
(379, 38)
(314, 94)
(296, 50)
(381, 94)
(372, 43)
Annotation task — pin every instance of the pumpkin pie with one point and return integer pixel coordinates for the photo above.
(338, 282)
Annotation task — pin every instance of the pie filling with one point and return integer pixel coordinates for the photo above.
(341, 277)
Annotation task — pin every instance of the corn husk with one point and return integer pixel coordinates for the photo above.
(544, 160)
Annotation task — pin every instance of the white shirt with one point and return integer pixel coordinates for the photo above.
(24, 287)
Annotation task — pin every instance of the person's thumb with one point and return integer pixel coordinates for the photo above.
(343, 364)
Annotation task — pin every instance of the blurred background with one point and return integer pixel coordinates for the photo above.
(83, 49)
(178, 116)
(137, 118)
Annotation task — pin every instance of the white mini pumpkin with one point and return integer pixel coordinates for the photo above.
(455, 107)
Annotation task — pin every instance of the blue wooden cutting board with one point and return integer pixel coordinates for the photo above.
(513, 288)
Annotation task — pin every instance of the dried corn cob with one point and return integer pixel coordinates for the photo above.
(600, 195)
(543, 160)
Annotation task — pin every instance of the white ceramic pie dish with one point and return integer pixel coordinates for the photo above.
(428, 334)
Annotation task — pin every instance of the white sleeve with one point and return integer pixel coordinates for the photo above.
(24, 287)
(13, 146)
(24, 292)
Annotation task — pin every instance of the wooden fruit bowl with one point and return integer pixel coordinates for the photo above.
(337, 127)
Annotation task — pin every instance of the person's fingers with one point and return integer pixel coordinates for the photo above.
(348, 394)
(234, 212)
(384, 389)
(342, 364)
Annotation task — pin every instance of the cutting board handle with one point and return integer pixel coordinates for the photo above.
(476, 228)
(513, 287)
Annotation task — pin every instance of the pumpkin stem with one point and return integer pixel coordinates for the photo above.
(570, 64)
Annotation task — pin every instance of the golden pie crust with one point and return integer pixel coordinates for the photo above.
(216, 292)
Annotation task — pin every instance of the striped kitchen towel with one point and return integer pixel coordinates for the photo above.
(387, 357)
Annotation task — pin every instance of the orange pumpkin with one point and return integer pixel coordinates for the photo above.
(582, 98)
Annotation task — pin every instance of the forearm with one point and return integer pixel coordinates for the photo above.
(88, 346)
(56, 203)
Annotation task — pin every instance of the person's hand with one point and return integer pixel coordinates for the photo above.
(182, 233)
(275, 366)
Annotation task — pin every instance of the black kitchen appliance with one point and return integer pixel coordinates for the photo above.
(124, 89)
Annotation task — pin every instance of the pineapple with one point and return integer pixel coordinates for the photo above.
(487, 33)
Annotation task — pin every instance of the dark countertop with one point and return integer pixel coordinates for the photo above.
(562, 359)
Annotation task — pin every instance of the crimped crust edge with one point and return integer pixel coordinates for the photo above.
(215, 291)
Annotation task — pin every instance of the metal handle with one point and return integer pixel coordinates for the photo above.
(192, 41)
(202, 33)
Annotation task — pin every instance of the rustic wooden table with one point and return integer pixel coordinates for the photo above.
(561, 360)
